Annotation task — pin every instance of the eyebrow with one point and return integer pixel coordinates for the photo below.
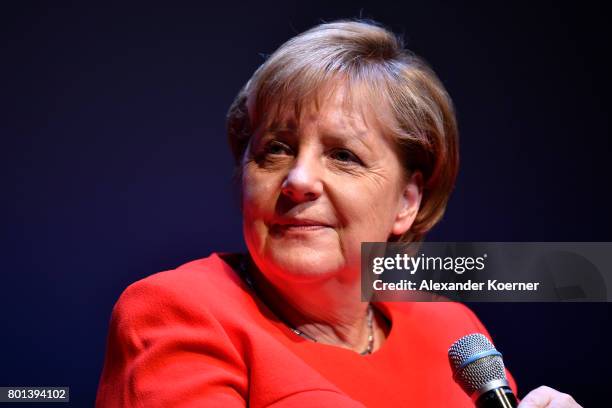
(350, 137)
(328, 135)
(282, 126)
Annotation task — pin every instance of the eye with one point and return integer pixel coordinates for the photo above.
(275, 147)
(345, 156)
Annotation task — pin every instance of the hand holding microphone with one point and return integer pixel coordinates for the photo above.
(479, 369)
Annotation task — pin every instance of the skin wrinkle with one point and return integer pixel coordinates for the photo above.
(410, 104)
(363, 93)
(313, 277)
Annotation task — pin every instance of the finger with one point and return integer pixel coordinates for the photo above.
(538, 398)
(546, 397)
(563, 401)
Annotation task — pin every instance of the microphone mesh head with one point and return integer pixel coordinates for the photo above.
(477, 374)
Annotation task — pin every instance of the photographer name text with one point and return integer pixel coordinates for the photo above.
(469, 285)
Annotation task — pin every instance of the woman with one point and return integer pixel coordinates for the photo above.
(340, 137)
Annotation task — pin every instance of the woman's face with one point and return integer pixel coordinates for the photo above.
(314, 191)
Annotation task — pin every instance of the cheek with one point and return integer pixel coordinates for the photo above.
(253, 213)
(259, 195)
(367, 209)
(372, 195)
(258, 192)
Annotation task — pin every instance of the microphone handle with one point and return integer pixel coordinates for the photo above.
(501, 397)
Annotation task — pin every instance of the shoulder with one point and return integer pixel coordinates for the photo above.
(444, 321)
(434, 312)
(435, 326)
(204, 273)
(204, 290)
(169, 327)
(195, 283)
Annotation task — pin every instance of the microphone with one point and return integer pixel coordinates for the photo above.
(479, 369)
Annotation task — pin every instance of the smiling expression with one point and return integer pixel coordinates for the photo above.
(315, 187)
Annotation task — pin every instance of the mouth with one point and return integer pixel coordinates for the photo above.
(298, 225)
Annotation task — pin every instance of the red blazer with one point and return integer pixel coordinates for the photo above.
(197, 336)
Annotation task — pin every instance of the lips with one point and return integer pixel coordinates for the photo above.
(299, 224)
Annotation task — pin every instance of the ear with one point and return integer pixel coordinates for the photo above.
(409, 204)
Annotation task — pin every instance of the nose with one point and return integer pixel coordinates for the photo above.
(303, 182)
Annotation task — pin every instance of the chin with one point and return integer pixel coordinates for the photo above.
(305, 264)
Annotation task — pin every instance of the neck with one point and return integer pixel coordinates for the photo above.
(328, 311)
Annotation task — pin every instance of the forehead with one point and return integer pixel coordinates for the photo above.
(333, 107)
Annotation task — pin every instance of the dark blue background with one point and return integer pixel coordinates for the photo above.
(115, 165)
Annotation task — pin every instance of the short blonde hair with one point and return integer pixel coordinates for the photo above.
(423, 122)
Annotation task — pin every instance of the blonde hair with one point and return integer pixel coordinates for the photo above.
(423, 122)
